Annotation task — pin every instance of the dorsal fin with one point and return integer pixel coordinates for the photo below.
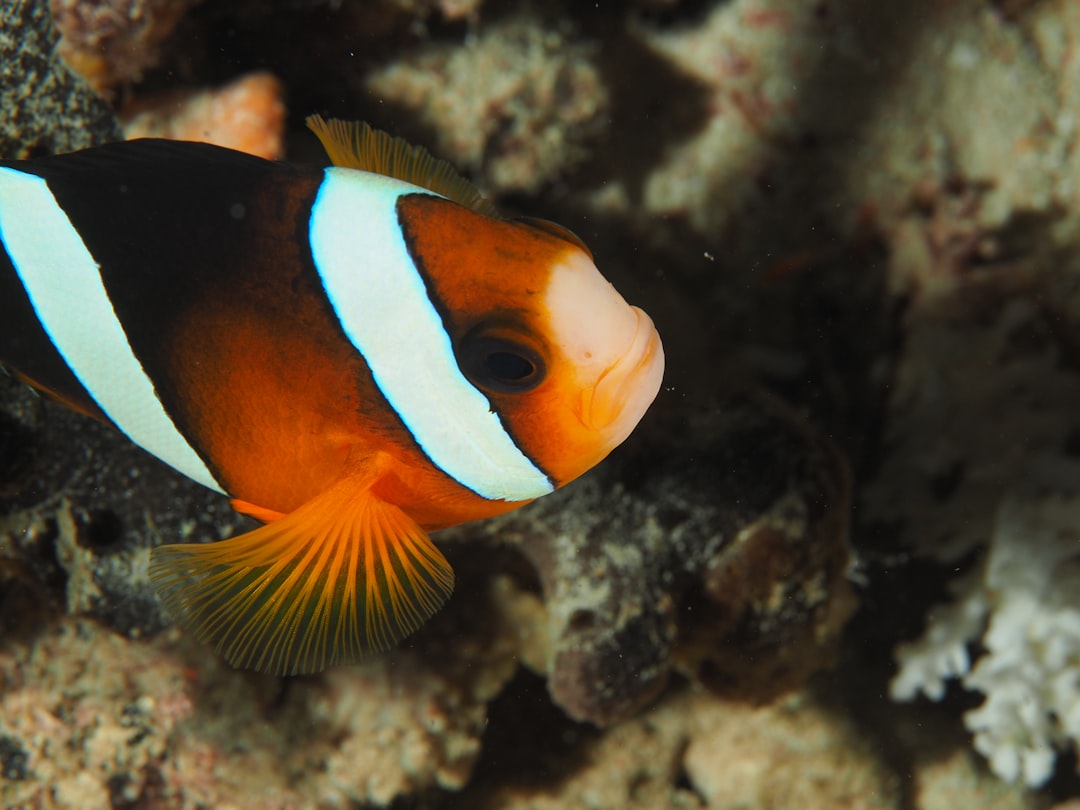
(356, 145)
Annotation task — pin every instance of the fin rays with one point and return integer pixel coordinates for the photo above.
(357, 145)
(306, 592)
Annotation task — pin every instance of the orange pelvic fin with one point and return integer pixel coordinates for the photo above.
(344, 574)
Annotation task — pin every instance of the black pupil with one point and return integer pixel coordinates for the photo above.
(508, 367)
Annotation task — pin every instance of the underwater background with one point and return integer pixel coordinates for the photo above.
(838, 563)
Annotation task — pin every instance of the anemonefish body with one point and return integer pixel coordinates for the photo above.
(356, 355)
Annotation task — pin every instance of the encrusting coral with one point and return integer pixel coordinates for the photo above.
(110, 43)
(247, 114)
(540, 102)
(732, 569)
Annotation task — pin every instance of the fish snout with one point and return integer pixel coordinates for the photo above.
(624, 390)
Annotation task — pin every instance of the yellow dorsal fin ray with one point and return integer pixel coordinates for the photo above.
(356, 145)
(343, 575)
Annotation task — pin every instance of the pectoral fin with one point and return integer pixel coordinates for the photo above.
(345, 574)
(260, 513)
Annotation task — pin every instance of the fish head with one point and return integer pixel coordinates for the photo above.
(573, 373)
(567, 365)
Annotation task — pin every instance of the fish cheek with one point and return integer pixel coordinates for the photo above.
(537, 422)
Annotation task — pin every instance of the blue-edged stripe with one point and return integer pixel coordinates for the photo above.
(63, 282)
(383, 306)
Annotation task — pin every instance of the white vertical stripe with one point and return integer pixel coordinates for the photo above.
(383, 306)
(64, 285)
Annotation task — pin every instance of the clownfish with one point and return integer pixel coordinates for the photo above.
(356, 355)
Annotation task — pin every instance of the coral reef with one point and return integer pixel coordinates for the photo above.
(1016, 495)
(91, 720)
(1025, 612)
(867, 208)
(780, 756)
(981, 422)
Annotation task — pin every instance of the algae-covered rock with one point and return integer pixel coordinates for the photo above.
(47, 108)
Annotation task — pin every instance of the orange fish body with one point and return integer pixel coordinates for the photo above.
(356, 355)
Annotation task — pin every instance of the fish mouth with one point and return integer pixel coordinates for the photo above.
(624, 390)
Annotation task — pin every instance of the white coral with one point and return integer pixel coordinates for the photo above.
(941, 654)
(1024, 609)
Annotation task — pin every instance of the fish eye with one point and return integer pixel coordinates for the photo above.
(501, 365)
